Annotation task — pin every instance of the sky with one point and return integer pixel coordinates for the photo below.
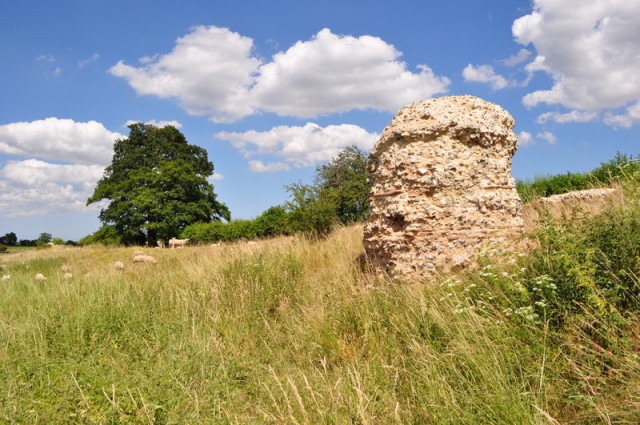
(274, 88)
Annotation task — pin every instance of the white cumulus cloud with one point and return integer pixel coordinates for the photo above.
(59, 140)
(590, 48)
(484, 74)
(525, 139)
(38, 183)
(258, 166)
(626, 120)
(548, 137)
(213, 71)
(300, 146)
(33, 172)
(209, 71)
(33, 187)
(572, 116)
(332, 73)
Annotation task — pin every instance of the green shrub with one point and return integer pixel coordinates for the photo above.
(622, 166)
(274, 221)
(592, 263)
(106, 235)
(3, 248)
(543, 186)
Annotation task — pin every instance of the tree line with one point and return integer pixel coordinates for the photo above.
(11, 239)
(156, 188)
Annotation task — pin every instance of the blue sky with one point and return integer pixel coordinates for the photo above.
(273, 88)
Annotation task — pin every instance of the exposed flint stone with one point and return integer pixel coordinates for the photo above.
(465, 145)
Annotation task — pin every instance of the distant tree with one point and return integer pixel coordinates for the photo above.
(44, 238)
(27, 242)
(156, 185)
(344, 183)
(9, 239)
(339, 194)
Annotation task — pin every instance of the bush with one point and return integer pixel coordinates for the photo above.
(3, 248)
(310, 211)
(622, 166)
(551, 185)
(106, 235)
(274, 221)
(593, 263)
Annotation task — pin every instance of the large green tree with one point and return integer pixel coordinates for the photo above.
(156, 185)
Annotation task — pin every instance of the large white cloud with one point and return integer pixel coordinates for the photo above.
(34, 187)
(209, 70)
(62, 160)
(60, 140)
(333, 73)
(212, 71)
(300, 146)
(590, 48)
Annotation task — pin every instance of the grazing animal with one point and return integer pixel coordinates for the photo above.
(68, 275)
(160, 244)
(41, 277)
(65, 268)
(145, 259)
(6, 277)
(177, 243)
(137, 253)
(119, 265)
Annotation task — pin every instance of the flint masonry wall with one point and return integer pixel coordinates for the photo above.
(442, 186)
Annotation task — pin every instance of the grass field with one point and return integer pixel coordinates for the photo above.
(294, 331)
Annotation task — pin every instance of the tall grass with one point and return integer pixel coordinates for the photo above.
(298, 331)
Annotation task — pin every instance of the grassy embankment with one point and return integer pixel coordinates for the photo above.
(294, 331)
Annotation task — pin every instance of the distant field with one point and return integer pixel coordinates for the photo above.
(14, 249)
(295, 330)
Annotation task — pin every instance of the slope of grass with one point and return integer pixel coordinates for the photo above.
(296, 331)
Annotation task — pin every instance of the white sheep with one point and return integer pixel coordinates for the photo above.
(65, 268)
(119, 265)
(177, 243)
(145, 259)
(68, 276)
(135, 253)
(160, 244)
(41, 277)
(6, 277)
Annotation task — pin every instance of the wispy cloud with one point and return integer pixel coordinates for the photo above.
(91, 59)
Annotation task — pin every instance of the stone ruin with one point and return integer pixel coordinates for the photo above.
(442, 186)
